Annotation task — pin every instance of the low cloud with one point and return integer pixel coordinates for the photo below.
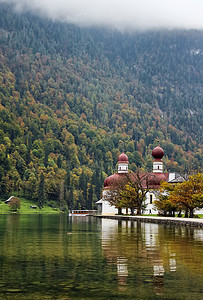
(120, 14)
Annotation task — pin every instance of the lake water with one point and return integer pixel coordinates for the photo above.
(60, 257)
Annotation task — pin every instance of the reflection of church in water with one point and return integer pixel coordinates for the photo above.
(145, 253)
(157, 176)
(124, 242)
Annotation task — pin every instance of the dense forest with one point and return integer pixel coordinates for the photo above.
(72, 99)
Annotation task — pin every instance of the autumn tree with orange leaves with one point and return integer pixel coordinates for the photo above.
(189, 194)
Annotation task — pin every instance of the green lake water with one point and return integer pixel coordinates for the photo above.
(60, 257)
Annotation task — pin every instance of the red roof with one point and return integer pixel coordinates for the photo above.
(154, 179)
(112, 179)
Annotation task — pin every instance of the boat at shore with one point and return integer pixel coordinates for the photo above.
(82, 213)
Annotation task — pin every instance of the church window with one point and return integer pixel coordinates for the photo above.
(150, 199)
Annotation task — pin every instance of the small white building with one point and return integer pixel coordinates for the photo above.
(104, 207)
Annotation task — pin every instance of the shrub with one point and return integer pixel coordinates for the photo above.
(14, 204)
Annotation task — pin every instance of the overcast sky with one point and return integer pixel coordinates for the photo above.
(121, 14)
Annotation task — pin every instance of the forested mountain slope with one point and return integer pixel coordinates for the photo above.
(73, 98)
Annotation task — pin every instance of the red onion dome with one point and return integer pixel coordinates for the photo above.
(158, 152)
(111, 180)
(123, 158)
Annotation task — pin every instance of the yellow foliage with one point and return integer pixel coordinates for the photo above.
(189, 193)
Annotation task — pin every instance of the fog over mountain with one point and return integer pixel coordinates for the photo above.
(120, 14)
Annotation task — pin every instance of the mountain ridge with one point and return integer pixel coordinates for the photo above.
(79, 96)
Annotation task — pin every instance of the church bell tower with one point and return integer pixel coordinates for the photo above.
(123, 163)
(158, 166)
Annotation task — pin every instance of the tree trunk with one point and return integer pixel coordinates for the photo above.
(186, 213)
(132, 211)
(119, 211)
(139, 211)
(191, 213)
(179, 213)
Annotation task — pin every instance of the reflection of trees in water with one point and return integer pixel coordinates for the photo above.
(45, 254)
(48, 253)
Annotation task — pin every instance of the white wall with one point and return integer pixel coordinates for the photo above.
(158, 167)
(107, 209)
(150, 209)
(122, 168)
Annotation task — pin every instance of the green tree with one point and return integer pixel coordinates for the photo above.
(90, 196)
(70, 200)
(59, 161)
(14, 204)
(163, 203)
(41, 191)
(62, 195)
(83, 186)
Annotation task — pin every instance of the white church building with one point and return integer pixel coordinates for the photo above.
(104, 207)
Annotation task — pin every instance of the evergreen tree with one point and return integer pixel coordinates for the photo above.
(62, 195)
(97, 181)
(83, 185)
(59, 161)
(70, 200)
(90, 197)
(41, 191)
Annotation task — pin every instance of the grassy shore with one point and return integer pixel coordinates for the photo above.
(26, 208)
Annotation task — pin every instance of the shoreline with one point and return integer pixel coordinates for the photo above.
(30, 213)
(157, 220)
